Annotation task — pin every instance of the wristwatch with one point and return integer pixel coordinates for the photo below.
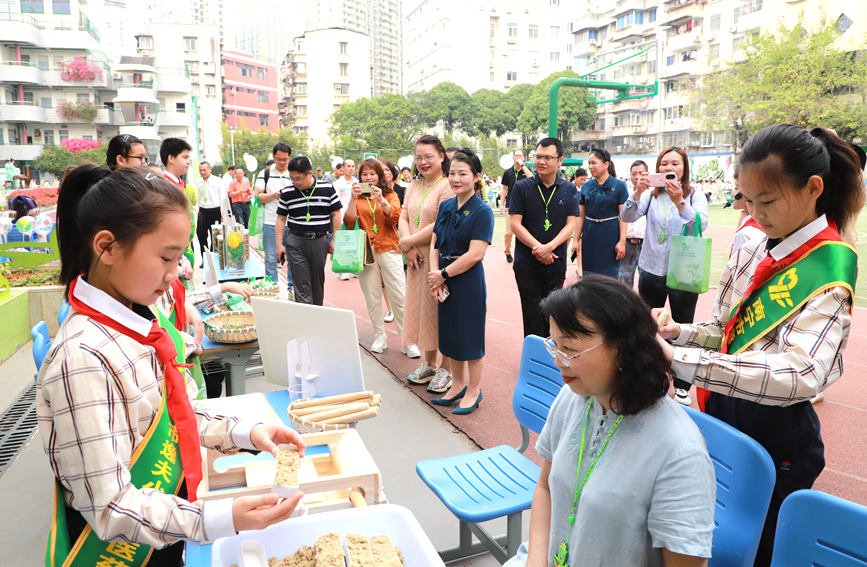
(444, 274)
(682, 204)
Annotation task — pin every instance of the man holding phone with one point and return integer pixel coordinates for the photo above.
(310, 210)
(511, 176)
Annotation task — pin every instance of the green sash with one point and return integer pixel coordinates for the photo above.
(829, 264)
(155, 463)
(198, 377)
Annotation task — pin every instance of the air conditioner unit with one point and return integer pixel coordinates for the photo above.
(116, 76)
(733, 29)
(596, 42)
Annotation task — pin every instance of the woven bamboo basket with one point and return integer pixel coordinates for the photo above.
(231, 327)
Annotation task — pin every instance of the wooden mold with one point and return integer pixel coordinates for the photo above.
(347, 476)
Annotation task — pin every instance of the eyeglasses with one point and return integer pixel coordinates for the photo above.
(144, 159)
(738, 197)
(427, 157)
(566, 359)
(546, 158)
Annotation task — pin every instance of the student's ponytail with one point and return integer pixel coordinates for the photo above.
(75, 249)
(843, 196)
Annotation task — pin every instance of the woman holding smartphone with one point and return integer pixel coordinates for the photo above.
(377, 209)
(668, 206)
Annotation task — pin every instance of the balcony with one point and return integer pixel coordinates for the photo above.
(676, 9)
(140, 131)
(171, 118)
(685, 41)
(53, 79)
(142, 92)
(19, 29)
(173, 83)
(21, 112)
(679, 69)
(15, 72)
(24, 152)
(108, 117)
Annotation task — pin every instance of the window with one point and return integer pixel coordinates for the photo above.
(260, 73)
(64, 135)
(13, 136)
(344, 69)
(246, 70)
(212, 90)
(61, 7)
(300, 110)
(555, 32)
(145, 42)
(180, 107)
(263, 97)
(263, 120)
(193, 67)
(843, 23)
(555, 56)
(512, 31)
(714, 53)
(619, 120)
(651, 15)
(46, 102)
(49, 137)
(651, 67)
(737, 44)
(189, 44)
(534, 31)
(715, 21)
(651, 117)
(511, 75)
(669, 60)
(32, 7)
(82, 97)
(42, 64)
(301, 88)
(555, 2)
(737, 15)
(592, 34)
(339, 88)
(344, 47)
(493, 30)
(670, 87)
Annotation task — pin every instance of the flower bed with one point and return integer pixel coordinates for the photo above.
(44, 196)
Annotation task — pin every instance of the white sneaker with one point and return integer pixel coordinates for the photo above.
(818, 398)
(681, 396)
(411, 351)
(343, 277)
(380, 343)
(389, 317)
(421, 375)
(441, 382)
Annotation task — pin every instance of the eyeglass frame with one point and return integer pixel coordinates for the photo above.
(566, 359)
(144, 159)
(546, 158)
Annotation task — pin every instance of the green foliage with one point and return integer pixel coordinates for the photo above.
(576, 110)
(489, 113)
(387, 121)
(790, 76)
(55, 159)
(449, 103)
(84, 110)
(258, 144)
(489, 149)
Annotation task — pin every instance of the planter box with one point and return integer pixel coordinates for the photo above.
(45, 302)
(15, 330)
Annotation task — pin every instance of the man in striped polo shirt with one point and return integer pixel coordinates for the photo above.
(309, 210)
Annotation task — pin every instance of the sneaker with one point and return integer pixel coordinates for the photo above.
(389, 317)
(343, 277)
(290, 294)
(441, 382)
(818, 398)
(411, 351)
(681, 396)
(509, 258)
(421, 375)
(380, 343)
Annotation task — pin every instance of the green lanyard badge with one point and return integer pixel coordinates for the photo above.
(551, 196)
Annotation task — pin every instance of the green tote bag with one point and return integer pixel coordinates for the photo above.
(348, 256)
(689, 260)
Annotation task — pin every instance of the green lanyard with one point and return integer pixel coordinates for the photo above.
(307, 198)
(373, 214)
(424, 196)
(562, 556)
(663, 234)
(551, 196)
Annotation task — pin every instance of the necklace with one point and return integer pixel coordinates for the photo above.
(663, 235)
(562, 555)
(373, 214)
(551, 196)
(307, 198)
(424, 195)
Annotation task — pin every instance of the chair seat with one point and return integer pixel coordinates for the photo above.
(484, 485)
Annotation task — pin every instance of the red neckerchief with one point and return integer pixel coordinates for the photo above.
(170, 177)
(768, 267)
(177, 400)
(179, 293)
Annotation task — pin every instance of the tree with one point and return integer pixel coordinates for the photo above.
(788, 76)
(55, 159)
(489, 114)
(576, 110)
(386, 121)
(449, 103)
(258, 144)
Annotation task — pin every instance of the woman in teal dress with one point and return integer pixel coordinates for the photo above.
(462, 233)
(603, 242)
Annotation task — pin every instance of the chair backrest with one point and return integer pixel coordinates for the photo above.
(62, 312)
(41, 344)
(745, 478)
(815, 528)
(539, 382)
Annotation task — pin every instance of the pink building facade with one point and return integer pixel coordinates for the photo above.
(249, 92)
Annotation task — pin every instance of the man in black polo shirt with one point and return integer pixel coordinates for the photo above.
(310, 210)
(511, 176)
(543, 213)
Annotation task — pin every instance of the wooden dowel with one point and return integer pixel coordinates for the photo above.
(330, 400)
(371, 412)
(337, 411)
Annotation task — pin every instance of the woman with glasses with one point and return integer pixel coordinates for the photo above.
(420, 205)
(626, 478)
(125, 150)
(668, 209)
(462, 233)
(599, 225)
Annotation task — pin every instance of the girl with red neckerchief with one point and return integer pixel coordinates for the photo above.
(784, 306)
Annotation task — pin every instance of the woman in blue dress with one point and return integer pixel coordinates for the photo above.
(462, 233)
(603, 240)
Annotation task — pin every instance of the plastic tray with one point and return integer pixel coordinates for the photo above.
(286, 537)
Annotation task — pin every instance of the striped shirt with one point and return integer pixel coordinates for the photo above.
(98, 392)
(798, 358)
(318, 202)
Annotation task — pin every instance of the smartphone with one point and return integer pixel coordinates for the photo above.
(444, 294)
(659, 179)
(365, 188)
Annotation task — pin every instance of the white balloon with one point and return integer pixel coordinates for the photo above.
(506, 161)
(405, 161)
(335, 160)
(251, 162)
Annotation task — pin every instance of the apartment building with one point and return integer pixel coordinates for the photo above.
(490, 44)
(263, 28)
(249, 92)
(325, 69)
(56, 82)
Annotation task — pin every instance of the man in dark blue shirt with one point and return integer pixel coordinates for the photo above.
(543, 213)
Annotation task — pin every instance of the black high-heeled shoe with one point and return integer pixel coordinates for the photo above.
(466, 411)
(449, 401)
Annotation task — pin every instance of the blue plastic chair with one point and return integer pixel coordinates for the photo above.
(745, 478)
(815, 528)
(62, 312)
(499, 481)
(41, 344)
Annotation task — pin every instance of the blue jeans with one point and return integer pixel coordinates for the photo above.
(270, 245)
(629, 263)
